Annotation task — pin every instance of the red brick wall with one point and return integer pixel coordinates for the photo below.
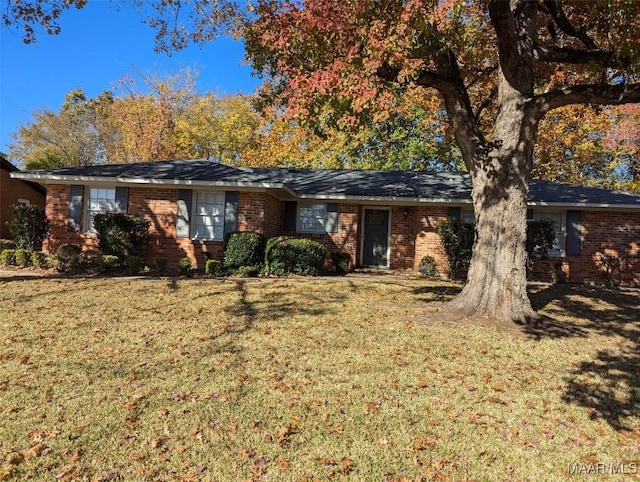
(259, 212)
(10, 191)
(412, 236)
(603, 233)
(427, 241)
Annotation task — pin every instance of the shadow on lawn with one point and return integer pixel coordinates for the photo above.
(609, 384)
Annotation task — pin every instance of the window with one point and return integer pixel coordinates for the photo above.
(312, 218)
(24, 201)
(100, 201)
(208, 216)
(558, 220)
(467, 216)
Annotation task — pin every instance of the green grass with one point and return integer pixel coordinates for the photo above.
(302, 380)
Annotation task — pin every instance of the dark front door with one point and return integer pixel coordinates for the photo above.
(376, 238)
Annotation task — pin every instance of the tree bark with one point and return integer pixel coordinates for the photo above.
(497, 279)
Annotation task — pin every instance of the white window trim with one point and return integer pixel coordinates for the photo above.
(193, 214)
(85, 208)
(302, 205)
(26, 202)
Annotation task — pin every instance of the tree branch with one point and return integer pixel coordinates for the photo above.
(561, 20)
(585, 94)
(545, 53)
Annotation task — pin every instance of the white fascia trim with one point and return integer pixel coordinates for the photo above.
(382, 199)
(154, 182)
(440, 201)
(543, 204)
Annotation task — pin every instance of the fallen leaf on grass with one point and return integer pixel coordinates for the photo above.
(422, 443)
(33, 452)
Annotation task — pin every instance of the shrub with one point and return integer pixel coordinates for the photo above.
(214, 267)
(39, 260)
(284, 255)
(29, 226)
(244, 248)
(68, 257)
(7, 244)
(341, 262)
(109, 263)
(184, 265)
(8, 257)
(134, 264)
(457, 238)
(251, 271)
(540, 237)
(122, 235)
(428, 266)
(23, 257)
(158, 265)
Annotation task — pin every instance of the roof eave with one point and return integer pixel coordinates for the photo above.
(66, 179)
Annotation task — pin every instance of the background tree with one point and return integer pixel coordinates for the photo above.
(68, 138)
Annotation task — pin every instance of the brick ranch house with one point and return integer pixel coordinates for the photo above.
(15, 191)
(383, 219)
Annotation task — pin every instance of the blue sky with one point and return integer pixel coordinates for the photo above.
(98, 45)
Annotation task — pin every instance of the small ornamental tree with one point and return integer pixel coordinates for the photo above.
(29, 226)
(122, 235)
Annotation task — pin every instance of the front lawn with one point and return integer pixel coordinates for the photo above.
(302, 380)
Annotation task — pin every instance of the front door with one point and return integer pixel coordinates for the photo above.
(375, 247)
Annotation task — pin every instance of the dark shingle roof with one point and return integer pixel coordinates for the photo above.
(316, 183)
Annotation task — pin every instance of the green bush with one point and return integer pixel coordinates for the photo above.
(68, 258)
(243, 248)
(214, 267)
(29, 226)
(23, 257)
(122, 235)
(134, 264)
(457, 238)
(428, 266)
(540, 237)
(8, 257)
(39, 260)
(158, 265)
(184, 265)
(109, 263)
(341, 262)
(285, 255)
(7, 244)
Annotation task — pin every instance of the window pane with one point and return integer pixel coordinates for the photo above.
(312, 218)
(209, 215)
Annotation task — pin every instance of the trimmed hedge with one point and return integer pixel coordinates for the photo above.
(214, 267)
(243, 249)
(23, 257)
(8, 257)
(158, 265)
(39, 260)
(285, 255)
(68, 257)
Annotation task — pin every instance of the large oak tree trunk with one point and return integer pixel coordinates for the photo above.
(497, 278)
(497, 285)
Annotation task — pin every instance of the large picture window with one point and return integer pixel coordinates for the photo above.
(100, 200)
(208, 216)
